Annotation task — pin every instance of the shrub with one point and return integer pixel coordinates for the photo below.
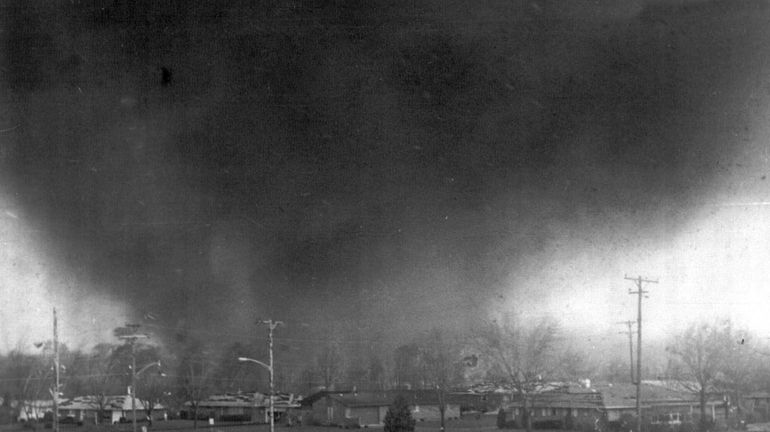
(235, 418)
(399, 417)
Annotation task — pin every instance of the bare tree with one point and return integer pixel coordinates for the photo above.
(747, 369)
(195, 374)
(102, 377)
(701, 356)
(572, 365)
(614, 369)
(150, 385)
(521, 352)
(408, 368)
(98, 376)
(443, 364)
(329, 365)
(27, 378)
(231, 374)
(364, 368)
(375, 372)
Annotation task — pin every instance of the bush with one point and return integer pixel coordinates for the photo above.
(501, 419)
(399, 417)
(588, 424)
(235, 418)
(548, 424)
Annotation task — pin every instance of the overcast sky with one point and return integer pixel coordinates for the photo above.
(388, 166)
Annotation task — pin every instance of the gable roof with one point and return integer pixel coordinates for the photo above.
(109, 403)
(248, 400)
(611, 396)
(381, 398)
(653, 393)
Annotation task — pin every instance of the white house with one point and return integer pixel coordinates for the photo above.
(34, 409)
(113, 409)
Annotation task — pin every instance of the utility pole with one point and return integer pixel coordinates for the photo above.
(56, 372)
(271, 325)
(639, 281)
(131, 341)
(630, 333)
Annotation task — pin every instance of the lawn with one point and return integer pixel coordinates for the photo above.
(467, 424)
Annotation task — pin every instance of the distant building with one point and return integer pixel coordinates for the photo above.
(226, 407)
(243, 407)
(758, 404)
(104, 409)
(571, 405)
(369, 408)
(34, 410)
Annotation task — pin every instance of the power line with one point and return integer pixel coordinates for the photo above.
(131, 339)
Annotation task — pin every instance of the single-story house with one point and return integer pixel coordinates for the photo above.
(34, 409)
(369, 408)
(227, 407)
(113, 409)
(245, 407)
(569, 404)
(662, 402)
(559, 407)
(483, 397)
(758, 404)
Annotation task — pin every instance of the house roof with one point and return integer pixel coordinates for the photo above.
(248, 400)
(109, 403)
(653, 393)
(566, 397)
(381, 398)
(232, 400)
(611, 396)
(623, 395)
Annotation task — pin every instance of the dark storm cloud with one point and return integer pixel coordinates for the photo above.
(290, 159)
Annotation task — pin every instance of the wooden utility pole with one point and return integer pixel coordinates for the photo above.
(131, 340)
(630, 333)
(639, 281)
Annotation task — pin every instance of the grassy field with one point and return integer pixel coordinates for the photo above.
(481, 424)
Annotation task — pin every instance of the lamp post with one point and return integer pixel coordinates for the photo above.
(271, 325)
(131, 337)
(269, 368)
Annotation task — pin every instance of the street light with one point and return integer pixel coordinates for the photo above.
(269, 368)
(271, 325)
